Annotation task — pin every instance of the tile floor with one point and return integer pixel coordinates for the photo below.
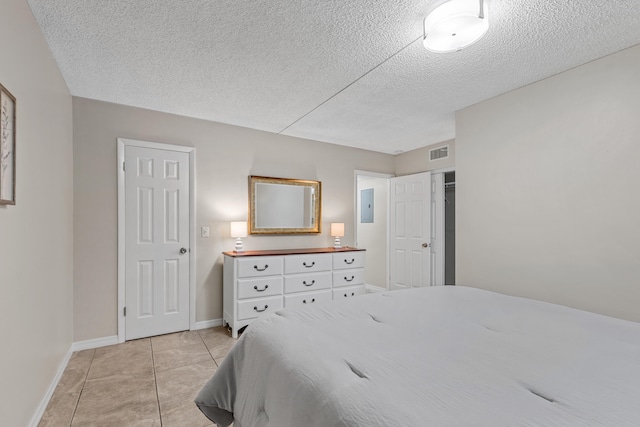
(145, 382)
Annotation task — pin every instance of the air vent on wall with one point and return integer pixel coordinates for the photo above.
(439, 153)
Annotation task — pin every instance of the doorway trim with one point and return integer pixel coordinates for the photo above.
(121, 144)
(439, 266)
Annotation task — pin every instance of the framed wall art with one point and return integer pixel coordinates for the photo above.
(7, 147)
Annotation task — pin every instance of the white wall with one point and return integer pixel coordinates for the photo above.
(36, 270)
(416, 161)
(374, 236)
(547, 189)
(225, 157)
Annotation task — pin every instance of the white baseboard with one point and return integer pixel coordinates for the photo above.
(94, 343)
(207, 324)
(35, 420)
(105, 341)
(373, 288)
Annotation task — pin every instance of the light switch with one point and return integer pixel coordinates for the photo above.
(204, 231)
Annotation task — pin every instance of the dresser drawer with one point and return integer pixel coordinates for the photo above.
(306, 298)
(307, 282)
(257, 288)
(347, 260)
(348, 292)
(307, 263)
(256, 283)
(249, 309)
(348, 278)
(259, 266)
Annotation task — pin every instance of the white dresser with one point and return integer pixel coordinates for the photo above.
(260, 282)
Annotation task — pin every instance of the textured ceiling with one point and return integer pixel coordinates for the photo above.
(347, 72)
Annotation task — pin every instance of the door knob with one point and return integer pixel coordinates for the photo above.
(183, 251)
(425, 245)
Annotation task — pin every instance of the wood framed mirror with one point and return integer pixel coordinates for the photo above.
(284, 206)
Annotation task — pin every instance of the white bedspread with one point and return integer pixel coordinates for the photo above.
(441, 356)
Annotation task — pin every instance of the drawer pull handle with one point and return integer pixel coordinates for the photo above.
(261, 269)
(305, 301)
(260, 311)
(351, 262)
(261, 290)
(310, 265)
(304, 282)
(349, 280)
(353, 294)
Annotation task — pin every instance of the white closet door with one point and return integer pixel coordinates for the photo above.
(410, 231)
(157, 241)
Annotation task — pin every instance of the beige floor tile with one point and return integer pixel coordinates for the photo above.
(60, 410)
(116, 385)
(75, 373)
(81, 359)
(119, 402)
(185, 380)
(220, 331)
(180, 356)
(219, 360)
(221, 350)
(127, 348)
(218, 341)
(179, 339)
(118, 422)
(121, 365)
(177, 388)
(72, 380)
(182, 412)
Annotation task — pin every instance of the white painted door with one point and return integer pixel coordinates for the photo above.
(157, 241)
(410, 231)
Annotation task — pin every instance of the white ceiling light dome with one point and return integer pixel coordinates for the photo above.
(454, 25)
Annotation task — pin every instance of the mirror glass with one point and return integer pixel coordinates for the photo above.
(283, 206)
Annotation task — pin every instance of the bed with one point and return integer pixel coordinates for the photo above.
(439, 356)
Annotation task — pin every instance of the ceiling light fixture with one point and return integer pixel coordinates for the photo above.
(454, 25)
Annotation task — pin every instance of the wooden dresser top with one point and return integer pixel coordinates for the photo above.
(291, 251)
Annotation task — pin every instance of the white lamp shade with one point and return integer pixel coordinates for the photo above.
(239, 229)
(454, 25)
(337, 229)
